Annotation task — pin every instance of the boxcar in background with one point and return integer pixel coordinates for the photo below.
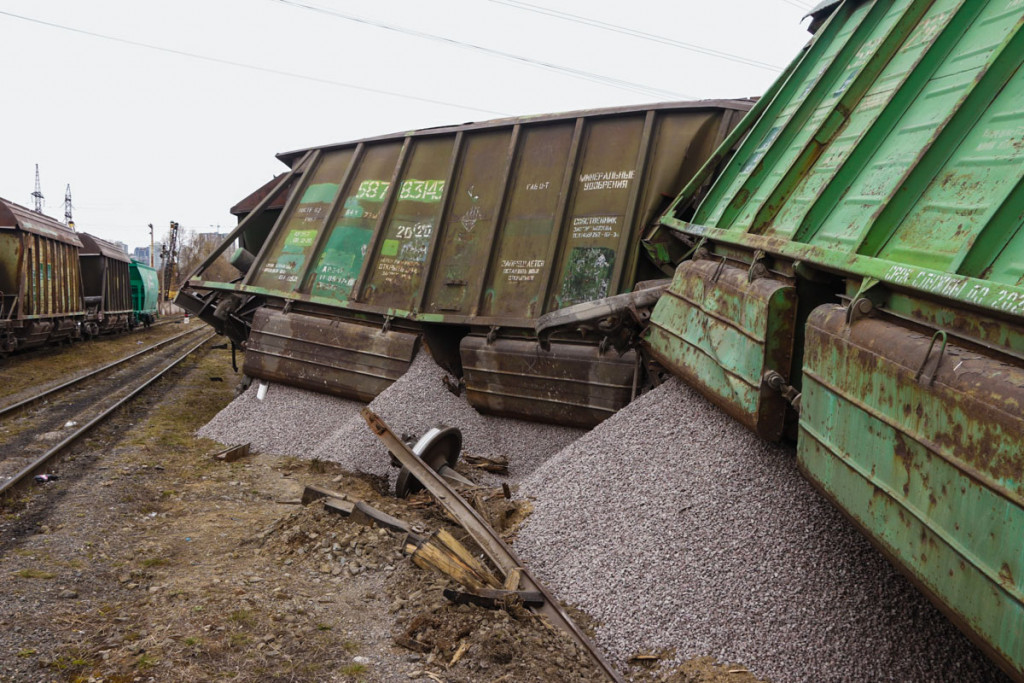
(145, 293)
(106, 286)
(40, 279)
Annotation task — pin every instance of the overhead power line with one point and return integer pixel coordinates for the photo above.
(638, 34)
(801, 5)
(251, 67)
(578, 73)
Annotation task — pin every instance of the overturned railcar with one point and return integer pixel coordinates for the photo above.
(40, 279)
(462, 237)
(857, 280)
(106, 286)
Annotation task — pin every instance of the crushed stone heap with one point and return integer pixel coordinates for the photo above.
(679, 530)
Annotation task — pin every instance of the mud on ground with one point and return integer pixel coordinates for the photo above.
(150, 561)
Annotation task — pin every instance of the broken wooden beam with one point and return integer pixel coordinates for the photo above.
(313, 492)
(493, 598)
(232, 453)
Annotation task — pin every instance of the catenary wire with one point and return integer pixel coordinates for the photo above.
(578, 73)
(253, 67)
(638, 34)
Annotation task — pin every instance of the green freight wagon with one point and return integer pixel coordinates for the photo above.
(145, 285)
(460, 236)
(856, 280)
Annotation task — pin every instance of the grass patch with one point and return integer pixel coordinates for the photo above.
(146, 661)
(34, 574)
(27, 652)
(353, 669)
(155, 562)
(239, 639)
(243, 617)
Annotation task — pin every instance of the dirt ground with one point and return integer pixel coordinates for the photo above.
(148, 560)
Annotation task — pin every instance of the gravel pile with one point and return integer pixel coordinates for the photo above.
(305, 424)
(678, 529)
(288, 421)
(418, 401)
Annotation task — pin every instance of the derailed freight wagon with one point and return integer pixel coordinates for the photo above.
(857, 278)
(40, 280)
(463, 236)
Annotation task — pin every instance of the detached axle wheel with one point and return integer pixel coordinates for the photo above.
(439, 448)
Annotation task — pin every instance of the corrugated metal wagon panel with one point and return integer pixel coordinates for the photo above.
(481, 227)
(884, 174)
(41, 279)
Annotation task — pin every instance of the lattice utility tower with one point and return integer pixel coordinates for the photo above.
(68, 220)
(169, 254)
(38, 194)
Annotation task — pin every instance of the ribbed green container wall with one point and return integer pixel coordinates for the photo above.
(883, 179)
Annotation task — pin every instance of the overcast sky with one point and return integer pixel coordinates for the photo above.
(161, 111)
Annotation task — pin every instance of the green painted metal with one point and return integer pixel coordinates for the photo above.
(924, 455)
(723, 331)
(883, 180)
(145, 289)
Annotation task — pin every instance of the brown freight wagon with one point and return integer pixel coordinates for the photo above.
(40, 279)
(106, 286)
(462, 237)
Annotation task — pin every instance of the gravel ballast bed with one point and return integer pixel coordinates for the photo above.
(678, 529)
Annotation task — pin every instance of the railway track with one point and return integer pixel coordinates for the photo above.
(36, 429)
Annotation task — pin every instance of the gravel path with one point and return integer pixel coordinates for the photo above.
(678, 529)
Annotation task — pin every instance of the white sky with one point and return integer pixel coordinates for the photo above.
(145, 136)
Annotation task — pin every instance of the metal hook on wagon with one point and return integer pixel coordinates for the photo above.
(928, 353)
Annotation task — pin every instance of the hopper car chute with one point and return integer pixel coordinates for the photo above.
(463, 237)
(856, 281)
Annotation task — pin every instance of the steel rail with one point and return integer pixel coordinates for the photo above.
(499, 553)
(72, 438)
(70, 383)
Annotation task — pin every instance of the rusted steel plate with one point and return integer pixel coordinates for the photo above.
(921, 446)
(570, 384)
(326, 354)
(723, 333)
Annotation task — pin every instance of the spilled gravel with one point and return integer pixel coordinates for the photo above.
(673, 526)
(679, 530)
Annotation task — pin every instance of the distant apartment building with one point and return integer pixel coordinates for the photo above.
(141, 254)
